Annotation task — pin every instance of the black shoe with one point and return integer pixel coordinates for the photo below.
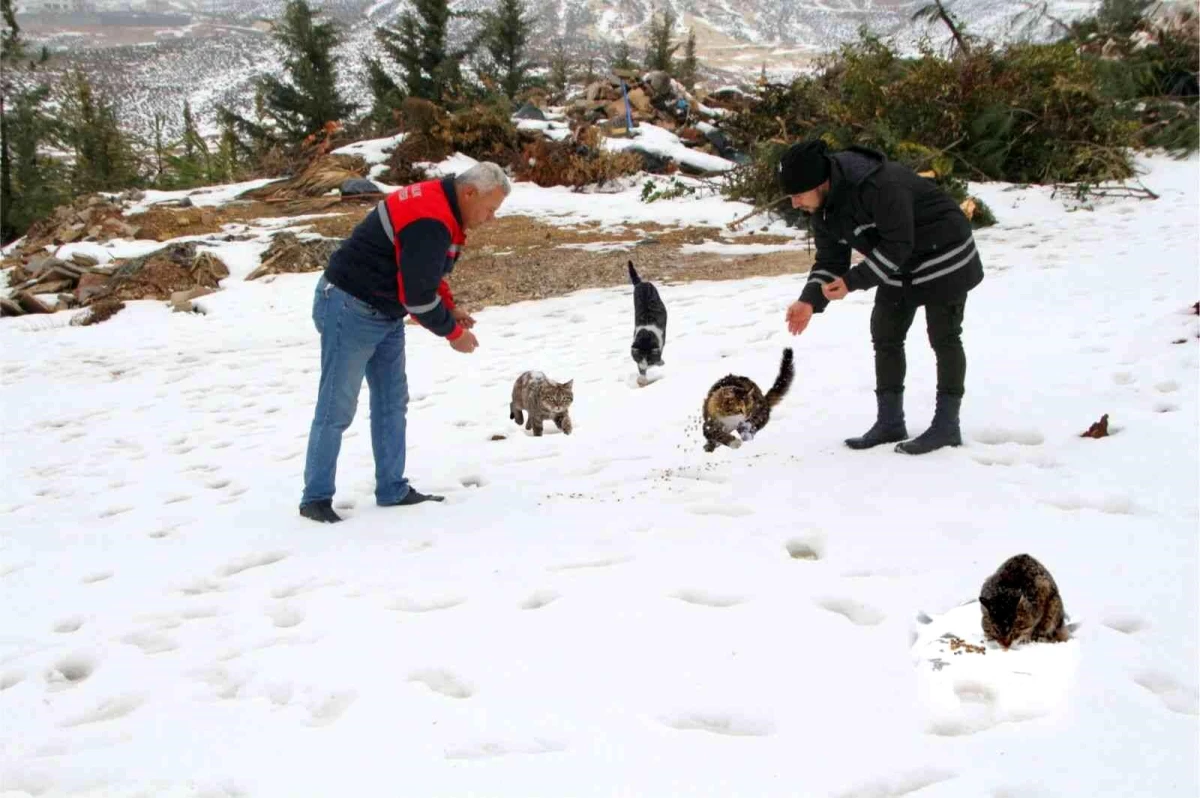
(944, 431)
(889, 423)
(415, 496)
(321, 511)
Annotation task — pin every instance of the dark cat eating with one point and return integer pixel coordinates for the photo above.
(649, 325)
(1020, 603)
(735, 403)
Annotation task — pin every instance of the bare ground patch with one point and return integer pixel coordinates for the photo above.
(520, 258)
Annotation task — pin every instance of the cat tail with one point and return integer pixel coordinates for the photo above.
(633, 275)
(784, 381)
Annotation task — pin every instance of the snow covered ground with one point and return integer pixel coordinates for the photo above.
(616, 612)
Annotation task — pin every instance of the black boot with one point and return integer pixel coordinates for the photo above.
(943, 431)
(320, 511)
(889, 422)
(415, 496)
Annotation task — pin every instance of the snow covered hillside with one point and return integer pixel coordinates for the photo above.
(614, 611)
(218, 58)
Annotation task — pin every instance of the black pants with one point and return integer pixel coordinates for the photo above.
(890, 321)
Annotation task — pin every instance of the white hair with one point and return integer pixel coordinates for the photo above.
(484, 176)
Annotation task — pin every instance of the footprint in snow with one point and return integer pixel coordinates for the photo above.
(809, 546)
(68, 625)
(726, 724)
(1174, 695)
(854, 611)
(443, 682)
(897, 786)
(726, 510)
(110, 709)
(285, 616)
(150, 642)
(1125, 624)
(70, 670)
(703, 598)
(602, 563)
(249, 561)
(995, 436)
(330, 707)
(539, 599)
(491, 750)
(428, 605)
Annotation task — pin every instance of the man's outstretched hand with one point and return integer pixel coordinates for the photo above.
(463, 318)
(465, 343)
(799, 314)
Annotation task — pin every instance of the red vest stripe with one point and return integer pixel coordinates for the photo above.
(425, 200)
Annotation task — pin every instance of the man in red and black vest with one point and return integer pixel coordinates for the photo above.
(394, 264)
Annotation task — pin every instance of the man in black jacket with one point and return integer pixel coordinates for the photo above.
(918, 250)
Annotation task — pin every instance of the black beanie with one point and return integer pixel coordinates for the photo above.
(803, 167)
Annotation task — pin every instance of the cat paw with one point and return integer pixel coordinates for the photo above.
(735, 443)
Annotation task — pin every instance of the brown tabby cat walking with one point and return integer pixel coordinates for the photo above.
(542, 398)
(736, 403)
(1020, 603)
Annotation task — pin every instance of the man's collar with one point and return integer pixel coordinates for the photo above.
(452, 199)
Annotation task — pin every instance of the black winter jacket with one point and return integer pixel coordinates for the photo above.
(916, 241)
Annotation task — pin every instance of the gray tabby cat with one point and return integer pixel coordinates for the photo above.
(542, 398)
(1020, 603)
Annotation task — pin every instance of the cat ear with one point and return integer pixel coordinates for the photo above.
(567, 384)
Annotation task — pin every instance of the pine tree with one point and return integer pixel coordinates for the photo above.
(309, 98)
(418, 47)
(936, 11)
(387, 97)
(622, 59)
(226, 165)
(560, 71)
(104, 156)
(660, 53)
(30, 183)
(190, 163)
(192, 142)
(687, 68)
(505, 37)
(12, 50)
(162, 152)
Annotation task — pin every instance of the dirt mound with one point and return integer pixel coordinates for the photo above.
(92, 218)
(289, 254)
(176, 267)
(320, 177)
(99, 312)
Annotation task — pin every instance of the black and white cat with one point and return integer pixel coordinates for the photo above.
(649, 325)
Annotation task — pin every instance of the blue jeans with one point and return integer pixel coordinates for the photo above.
(357, 341)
